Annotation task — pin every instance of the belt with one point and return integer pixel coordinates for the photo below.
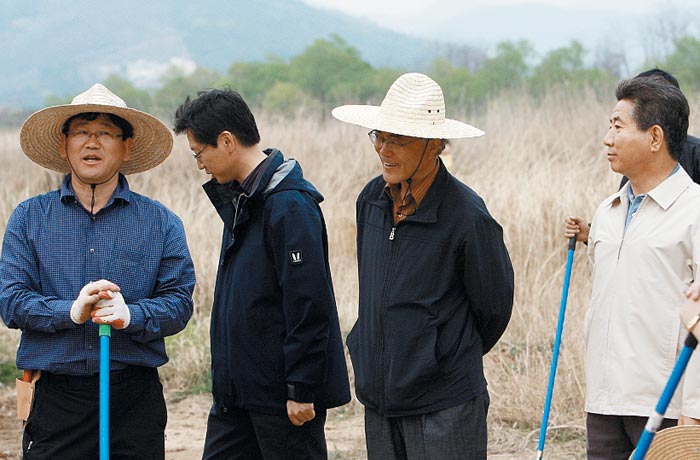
(115, 376)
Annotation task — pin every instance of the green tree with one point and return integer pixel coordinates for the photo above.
(327, 64)
(286, 99)
(52, 100)
(684, 62)
(458, 84)
(254, 79)
(134, 97)
(177, 85)
(506, 70)
(377, 83)
(565, 67)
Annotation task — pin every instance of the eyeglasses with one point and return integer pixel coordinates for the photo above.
(103, 137)
(392, 143)
(196, 155)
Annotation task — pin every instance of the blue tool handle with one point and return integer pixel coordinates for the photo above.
(105, 332)
(557, 345)
(654, 422)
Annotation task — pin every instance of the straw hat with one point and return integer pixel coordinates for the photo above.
(676, 443)
(413, 106)
(41, 134)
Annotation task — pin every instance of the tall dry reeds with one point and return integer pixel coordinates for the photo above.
(539, 162)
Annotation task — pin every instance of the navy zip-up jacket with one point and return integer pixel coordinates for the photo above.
(274, 322)
(436, 293)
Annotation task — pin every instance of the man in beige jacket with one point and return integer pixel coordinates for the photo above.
(644, 246)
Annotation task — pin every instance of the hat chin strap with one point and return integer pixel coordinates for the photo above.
(422, 155)
(409, 181)
(92, 186)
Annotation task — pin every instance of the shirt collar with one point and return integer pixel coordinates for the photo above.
(428, 210)
(122, 192)
(417, 192)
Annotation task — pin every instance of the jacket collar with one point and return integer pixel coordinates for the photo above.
(664, 194)
(222, 194)
(427, 212)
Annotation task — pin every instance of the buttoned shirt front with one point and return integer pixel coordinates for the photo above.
(52, 248)
(632, 327)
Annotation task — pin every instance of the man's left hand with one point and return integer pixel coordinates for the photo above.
(300, 413)
(684, 420)
(112, 311)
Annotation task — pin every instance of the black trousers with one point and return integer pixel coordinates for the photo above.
(614, 437)
(237, 434)
(64, 422)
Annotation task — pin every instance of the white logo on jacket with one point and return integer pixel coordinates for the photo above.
(295, 257)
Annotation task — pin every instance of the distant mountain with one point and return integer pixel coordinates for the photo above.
(632, 32)
(50, 47)
(545, 26)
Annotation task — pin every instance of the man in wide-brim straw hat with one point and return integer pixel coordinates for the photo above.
(62, 248)
(435, 283)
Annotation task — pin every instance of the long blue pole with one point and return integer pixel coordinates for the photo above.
(105, 332)
(557, 344)
(655, 420)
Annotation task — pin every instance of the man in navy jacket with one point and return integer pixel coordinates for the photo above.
(435, 282)
(277, 353)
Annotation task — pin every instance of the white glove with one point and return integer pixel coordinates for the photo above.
(112, 311)
(88, 297)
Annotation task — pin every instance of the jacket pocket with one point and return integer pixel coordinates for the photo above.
(367, 383)
(411, 382)
(412, 368)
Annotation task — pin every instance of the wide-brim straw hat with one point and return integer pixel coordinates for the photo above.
(41, 136)
(413, 106)
(676, 443)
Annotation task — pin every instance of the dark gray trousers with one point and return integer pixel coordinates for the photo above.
(457, 433)
(614, 437)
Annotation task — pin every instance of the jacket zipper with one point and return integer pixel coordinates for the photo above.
(229, 377)
(382, 345)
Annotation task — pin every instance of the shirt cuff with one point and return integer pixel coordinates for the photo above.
(137, 320)
(61, 316)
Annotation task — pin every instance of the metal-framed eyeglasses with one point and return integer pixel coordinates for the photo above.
(197, 154)
(393, 143)
(81, 136)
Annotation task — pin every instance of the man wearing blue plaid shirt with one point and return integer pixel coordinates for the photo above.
(62, 248)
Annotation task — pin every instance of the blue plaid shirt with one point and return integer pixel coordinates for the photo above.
(52, 248)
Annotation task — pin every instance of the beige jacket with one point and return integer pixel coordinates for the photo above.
(632, 327)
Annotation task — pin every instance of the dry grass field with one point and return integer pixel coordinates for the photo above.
(539, 162)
